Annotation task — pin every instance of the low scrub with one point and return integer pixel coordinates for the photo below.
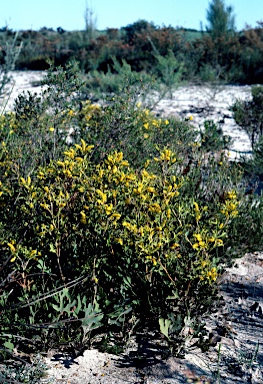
(113, 222)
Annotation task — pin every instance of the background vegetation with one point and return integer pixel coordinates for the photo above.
(219, 52)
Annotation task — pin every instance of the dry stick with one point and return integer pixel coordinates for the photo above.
(4, 107)
(71, 284)
(58, 261)
(173, 281)
(94, 277)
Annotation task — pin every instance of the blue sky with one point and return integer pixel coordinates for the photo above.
(69, 14)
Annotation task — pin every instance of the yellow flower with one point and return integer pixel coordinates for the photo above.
(147, 162)
(196, 206)
(155, 207)
(125, 163)
(33, 253)
(27, 182)
(44, 205)
(101, 173)
(116, 216)
(166, 122)
(67, 173)
(197, 211)
(102, 195)
(190, 118)
(71, 153)
(139, 189)
(212, 275)
(198, 236)
(231, 195)
(150, 189)
(108, 208)
(83, 219)
(12, 248)
(200, 244)
(119, 241)
(146, 135)
(146, 125)
(166, 155)
(52, 129)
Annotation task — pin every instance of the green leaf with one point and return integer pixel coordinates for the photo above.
(52, 248)
(92, 318)
(164, 327)
(9, 345)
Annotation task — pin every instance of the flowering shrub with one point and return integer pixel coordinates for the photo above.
(127, 228)
(140, 243)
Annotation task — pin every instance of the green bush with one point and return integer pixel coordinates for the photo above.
(212, 137)
(248, 114)
(141, 245)
(126, 229)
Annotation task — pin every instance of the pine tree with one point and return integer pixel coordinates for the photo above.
(220, 18)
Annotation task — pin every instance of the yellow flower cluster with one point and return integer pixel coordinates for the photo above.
(200, 243)
(89, 110)
(230, 207)
(141, 212)
(166, 156)
(203, 242)
(209, 274)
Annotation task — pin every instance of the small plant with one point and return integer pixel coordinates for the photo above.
(212, 137)
(12, 52)
(249, 116)
(22, 372)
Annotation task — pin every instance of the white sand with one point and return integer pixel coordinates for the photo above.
(201, 102)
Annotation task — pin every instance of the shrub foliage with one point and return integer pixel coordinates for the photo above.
(113, 221)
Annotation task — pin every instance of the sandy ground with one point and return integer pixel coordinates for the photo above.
(207, 103)
(201, 102)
